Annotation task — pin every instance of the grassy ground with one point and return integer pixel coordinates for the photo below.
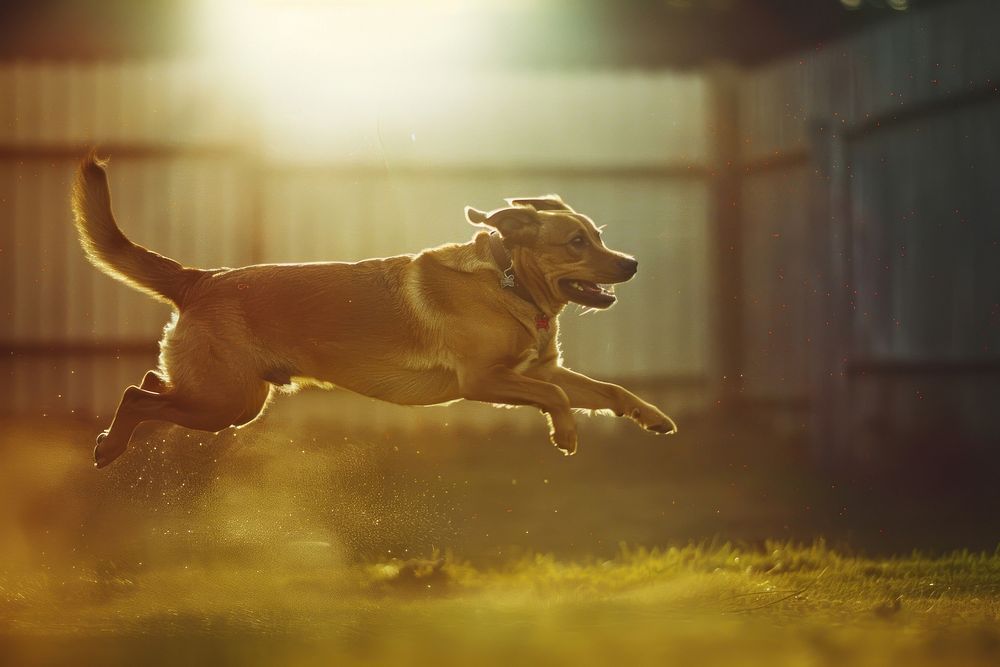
(280, 547)
(693, 605)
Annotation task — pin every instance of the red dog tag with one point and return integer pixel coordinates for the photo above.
(542, 322)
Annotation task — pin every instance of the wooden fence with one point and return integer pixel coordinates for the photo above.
(871, 242)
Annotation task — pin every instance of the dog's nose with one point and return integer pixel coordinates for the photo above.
(629, 265)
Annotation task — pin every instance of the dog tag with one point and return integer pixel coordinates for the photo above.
(507, 280)
(542, 322)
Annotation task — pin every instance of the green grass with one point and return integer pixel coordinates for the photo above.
(277, 547)
(692, 605)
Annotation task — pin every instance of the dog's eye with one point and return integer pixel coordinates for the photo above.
(578, 242)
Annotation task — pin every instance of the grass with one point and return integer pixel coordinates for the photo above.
(692, 605)
(279, 547)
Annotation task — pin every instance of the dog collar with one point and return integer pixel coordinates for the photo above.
(504, 262)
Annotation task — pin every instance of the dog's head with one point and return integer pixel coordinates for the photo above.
(558, 253)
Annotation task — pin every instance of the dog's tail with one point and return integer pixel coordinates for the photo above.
(109, 250)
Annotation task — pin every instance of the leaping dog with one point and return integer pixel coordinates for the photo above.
(475, 321)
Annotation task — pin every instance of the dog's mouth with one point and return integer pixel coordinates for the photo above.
(587, 293)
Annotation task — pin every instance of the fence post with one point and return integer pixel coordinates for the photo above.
(725, 244)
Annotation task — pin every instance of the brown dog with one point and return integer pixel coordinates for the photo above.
(475, 320)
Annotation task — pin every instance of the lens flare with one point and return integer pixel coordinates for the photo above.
(307, 70)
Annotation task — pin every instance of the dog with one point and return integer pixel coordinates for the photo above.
(475, 321)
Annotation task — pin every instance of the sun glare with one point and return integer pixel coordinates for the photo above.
(316, 75)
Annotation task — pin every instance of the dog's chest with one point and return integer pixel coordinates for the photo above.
(537, 346)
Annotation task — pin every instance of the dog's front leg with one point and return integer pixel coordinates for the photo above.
(499, 384)
(590, 394)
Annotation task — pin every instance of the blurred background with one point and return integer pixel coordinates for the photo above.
(811, 189)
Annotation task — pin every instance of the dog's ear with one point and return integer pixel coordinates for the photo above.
(475, 216)
(518, 225)
(552, 202)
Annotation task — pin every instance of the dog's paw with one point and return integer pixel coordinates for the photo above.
(664, 428)
(105, 452)
(651, 419)
(565, 442)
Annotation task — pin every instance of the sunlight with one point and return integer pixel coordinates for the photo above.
(319, 76)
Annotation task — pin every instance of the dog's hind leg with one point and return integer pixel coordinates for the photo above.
(224, 409)
(151, 381)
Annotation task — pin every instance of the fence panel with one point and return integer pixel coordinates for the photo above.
(912, 103)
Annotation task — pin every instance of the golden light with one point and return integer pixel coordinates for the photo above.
(315, 75)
